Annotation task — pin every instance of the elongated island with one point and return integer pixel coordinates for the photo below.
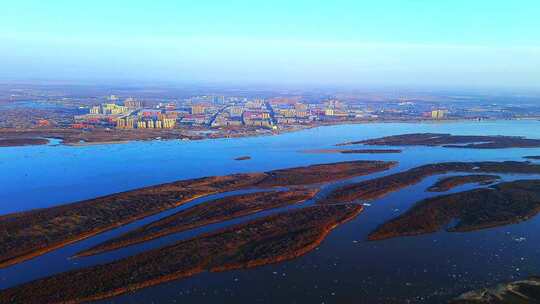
(501, 204)
(28, 234)
(268, 240)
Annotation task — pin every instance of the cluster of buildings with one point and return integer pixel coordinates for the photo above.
(112, 108)
(438, 114)
(237, 112)
(110, 114)
(148, 119)
(109, 109)
(291, 113)
(257, 113)
(276, 112)
(134, 123)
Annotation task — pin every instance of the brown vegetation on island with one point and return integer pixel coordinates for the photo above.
(243, 158)
(15, 142)
(371, 151)
(76, 136)
(323, 173)
(378, 187)
(498, 205)
(535, 157)
(451, 141)
(356, 151)
(448, 183)
(518, 292)
(268, 240)
(28, 234)
(204, 214)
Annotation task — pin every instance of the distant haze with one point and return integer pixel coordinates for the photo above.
(440, 43)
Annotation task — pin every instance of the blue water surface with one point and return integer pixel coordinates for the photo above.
(344, 269)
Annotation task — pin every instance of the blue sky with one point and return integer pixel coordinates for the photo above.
(387, 42)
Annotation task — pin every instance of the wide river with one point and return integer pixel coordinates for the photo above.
(344, 269)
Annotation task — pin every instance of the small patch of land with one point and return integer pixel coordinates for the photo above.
(524, 291)
(448, 183)
(28, 234)
(268, 240)
(498, 205)
(356, 151)
(371, 151)
(96, 136)
(451, 141)
(378, 187)
(14, 142)
(535, 157)
(201, 215)
(323, 173)
(243, 158)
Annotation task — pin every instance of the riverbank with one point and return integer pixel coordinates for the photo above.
(75, 137)
(16, 142)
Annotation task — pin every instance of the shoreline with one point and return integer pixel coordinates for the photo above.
(97, 143)
(53, 133)
(351, 151)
